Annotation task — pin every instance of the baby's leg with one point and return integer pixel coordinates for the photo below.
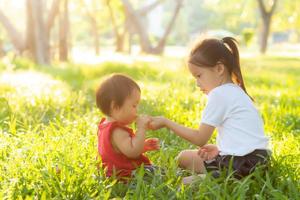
(189, 159)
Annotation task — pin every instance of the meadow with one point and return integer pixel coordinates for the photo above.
(48, 125)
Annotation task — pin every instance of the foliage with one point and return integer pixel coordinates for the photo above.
(248, 36)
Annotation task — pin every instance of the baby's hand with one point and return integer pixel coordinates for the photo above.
(142, 122)
(151, 144)
(156, 123)
(208, 151)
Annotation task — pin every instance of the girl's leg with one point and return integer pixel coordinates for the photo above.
(189, 159)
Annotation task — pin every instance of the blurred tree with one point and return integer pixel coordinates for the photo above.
(13, 33)
(126, 28)
(220, 14)
(2, 53)
(90, 24)
(142, 12)
(117, 25)
(248, 34)
(141, 29)
(266, 19)
(288, 19)
(53, 13)
(63, 31)
(38, 31)
(92, 11)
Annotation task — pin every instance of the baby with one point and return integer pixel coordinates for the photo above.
(121, 149)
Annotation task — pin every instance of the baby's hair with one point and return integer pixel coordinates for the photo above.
(115, 89)
(211, 51)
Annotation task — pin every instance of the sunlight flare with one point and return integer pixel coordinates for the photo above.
(33, 85)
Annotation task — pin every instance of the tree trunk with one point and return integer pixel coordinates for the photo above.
(36, 38)
(13, 34)
(42, 54)
(130, 41)
(96, 41)
(37, 33)
(265, 34)
(267, 19)
(63, 32)
(53, 13)
(92, 18)
(161, 45)
(30, 30)
(2, 53)
(141, 30)
(130, 31)
(95, 32)
(119, 42)
(121, 36)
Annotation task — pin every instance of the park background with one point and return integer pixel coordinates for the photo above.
(55, 53)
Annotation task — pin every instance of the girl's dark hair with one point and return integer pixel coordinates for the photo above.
(211, 51)
(115, 89)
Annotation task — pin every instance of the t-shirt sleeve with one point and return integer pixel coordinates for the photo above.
(215, 110)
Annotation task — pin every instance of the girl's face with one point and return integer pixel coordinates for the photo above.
(127, 113)
(207, 78)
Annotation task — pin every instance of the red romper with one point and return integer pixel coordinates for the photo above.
(112, 160)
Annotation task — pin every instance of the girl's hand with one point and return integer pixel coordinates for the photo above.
(142, 122)
(157, 123)
(208, 151)
(151, 144)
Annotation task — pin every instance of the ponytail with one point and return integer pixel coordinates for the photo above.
(236, 73)
(211, 51)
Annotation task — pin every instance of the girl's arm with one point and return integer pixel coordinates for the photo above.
(198, 137)
(132, 147)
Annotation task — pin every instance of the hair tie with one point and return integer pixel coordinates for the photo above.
(222, 41)
(226, 45)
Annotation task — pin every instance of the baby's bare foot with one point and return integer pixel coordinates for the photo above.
(191, 179)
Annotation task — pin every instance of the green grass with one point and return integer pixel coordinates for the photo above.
(48, 124)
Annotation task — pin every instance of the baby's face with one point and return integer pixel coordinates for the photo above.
(128, 112)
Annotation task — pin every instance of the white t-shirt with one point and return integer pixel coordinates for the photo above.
(239, 125)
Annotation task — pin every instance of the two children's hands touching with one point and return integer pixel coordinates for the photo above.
(148, 122)
(156, 123)
(143, 122)
(208, 151)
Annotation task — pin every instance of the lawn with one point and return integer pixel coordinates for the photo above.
(48, 124)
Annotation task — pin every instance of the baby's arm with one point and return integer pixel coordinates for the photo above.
(131, 147)
(198, 137)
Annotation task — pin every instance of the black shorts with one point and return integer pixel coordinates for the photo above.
(241, 165)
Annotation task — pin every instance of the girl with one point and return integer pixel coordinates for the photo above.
(216, 67)
(120, 149)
